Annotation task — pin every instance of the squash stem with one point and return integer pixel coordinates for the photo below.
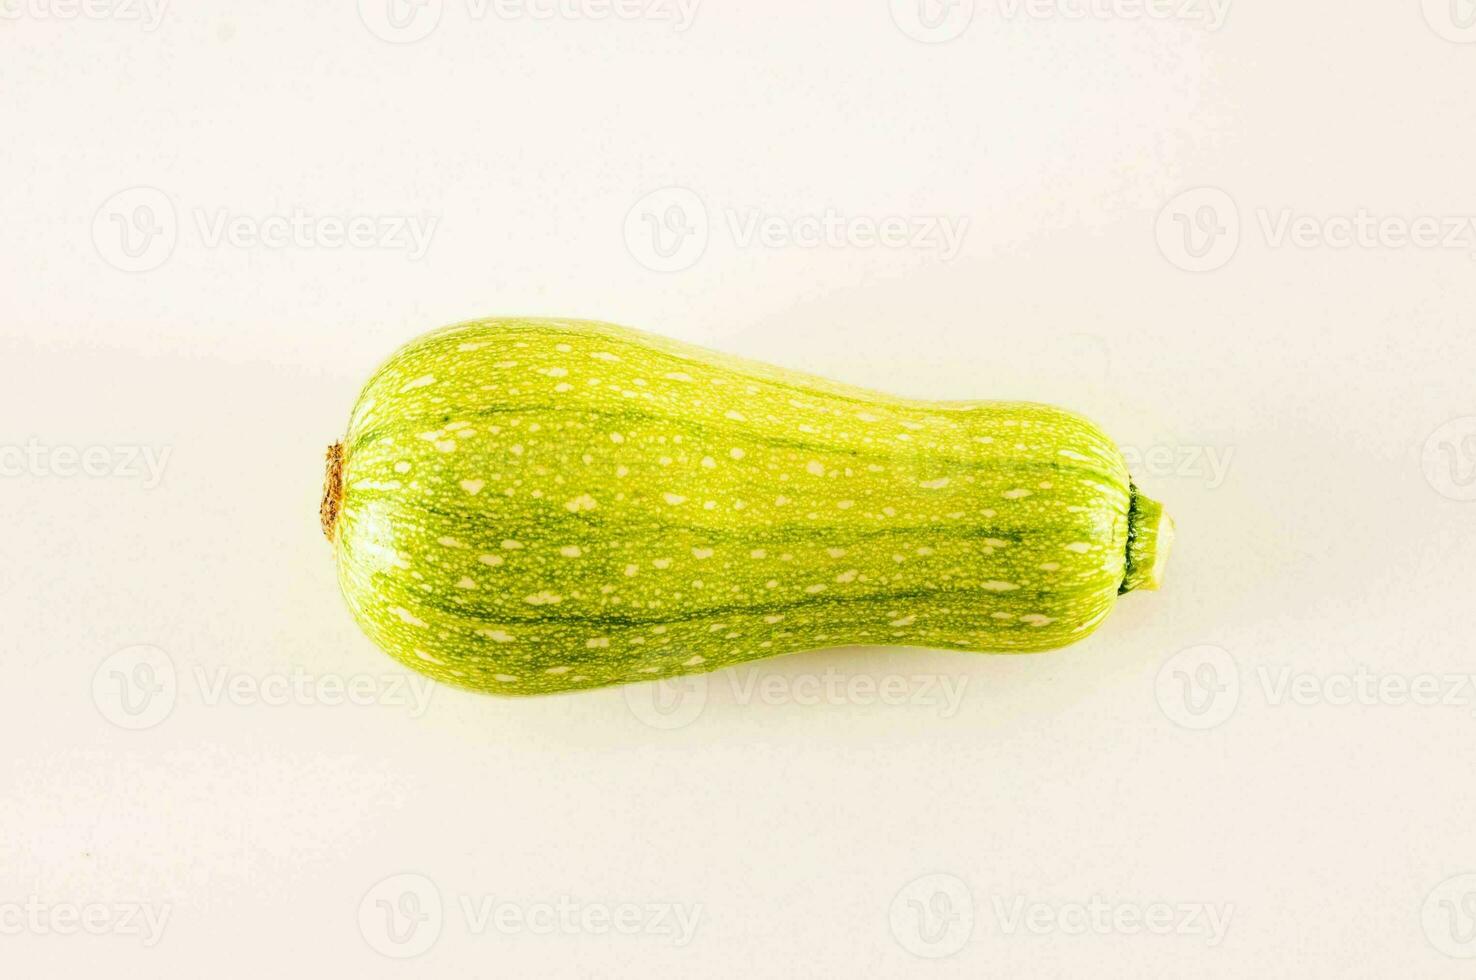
(332, 490)
(1150, 536)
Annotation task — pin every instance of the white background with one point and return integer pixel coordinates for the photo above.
(1161, 232)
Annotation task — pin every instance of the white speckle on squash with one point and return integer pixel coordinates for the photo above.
(407, 617)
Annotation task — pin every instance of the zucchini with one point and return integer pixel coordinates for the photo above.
(524, 506)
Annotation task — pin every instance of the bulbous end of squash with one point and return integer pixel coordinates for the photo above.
(1150, 536)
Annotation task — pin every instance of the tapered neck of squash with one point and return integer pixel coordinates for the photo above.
(1150, 535)
(332, 491)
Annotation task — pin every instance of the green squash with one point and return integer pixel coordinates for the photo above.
(523, 506)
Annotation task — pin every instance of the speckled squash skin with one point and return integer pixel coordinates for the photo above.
(528, 506)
